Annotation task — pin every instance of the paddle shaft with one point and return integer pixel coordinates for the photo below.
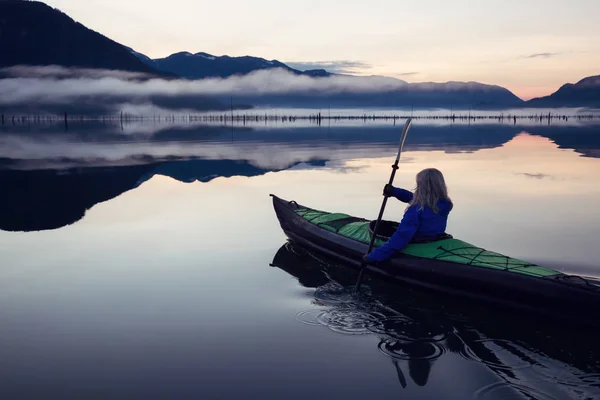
(385, 199)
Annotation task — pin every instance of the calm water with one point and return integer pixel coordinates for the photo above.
(147, 262)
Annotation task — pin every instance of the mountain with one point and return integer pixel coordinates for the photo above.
(585, 93)
(32, 33)
(346, 91)
(457, 95)
(39, 41)
(204, 65)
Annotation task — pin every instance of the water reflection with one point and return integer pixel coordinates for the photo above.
(95, 145)
(50, 178)
(415, 331)
(35, 200)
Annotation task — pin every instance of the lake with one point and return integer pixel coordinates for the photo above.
(146, 261)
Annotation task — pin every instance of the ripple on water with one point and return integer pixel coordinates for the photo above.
(592, 380)
(335, 294)
(400, 350)
(349, 322)
(510, 361)
(406, 329)
(507, 390)
(346, 321)
(309, 317)
(567, 377)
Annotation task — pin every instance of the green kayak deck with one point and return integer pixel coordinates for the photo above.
(450, 250)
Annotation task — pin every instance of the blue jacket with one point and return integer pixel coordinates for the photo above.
(416, 223)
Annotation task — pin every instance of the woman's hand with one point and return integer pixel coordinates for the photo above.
(369, 261)
(388, 190)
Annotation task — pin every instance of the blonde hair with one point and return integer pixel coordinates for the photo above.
(431, 187)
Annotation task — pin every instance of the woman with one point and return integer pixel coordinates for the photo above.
(426, 215)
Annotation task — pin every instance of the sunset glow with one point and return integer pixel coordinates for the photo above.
(531, 47)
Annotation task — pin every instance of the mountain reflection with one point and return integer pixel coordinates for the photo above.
(51, 177)
(96, 144)
(35, 200)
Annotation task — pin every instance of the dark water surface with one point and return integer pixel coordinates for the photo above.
(148, 263)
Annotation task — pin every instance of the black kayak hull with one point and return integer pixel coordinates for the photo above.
(575, 300)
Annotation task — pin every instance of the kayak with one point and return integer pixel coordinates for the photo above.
(445, 265)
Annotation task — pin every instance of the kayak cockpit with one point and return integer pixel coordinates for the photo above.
(386, 229)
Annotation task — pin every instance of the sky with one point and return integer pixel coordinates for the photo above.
(531, 47)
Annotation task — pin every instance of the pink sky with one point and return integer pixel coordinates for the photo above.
(531, 47)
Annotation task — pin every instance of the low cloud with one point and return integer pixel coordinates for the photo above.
(535, 176)
(336, 67)
(31, 86)
(57, 84)
(541, 55)
(407, 74)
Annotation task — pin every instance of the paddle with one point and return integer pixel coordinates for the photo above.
(363, 265)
